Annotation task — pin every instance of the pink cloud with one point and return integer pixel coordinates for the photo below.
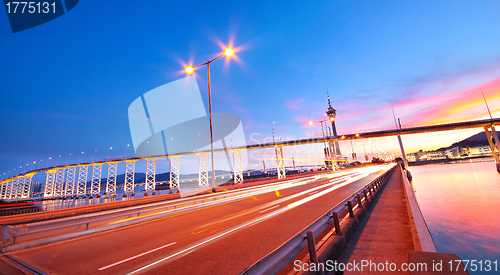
(302, 119)
(461, 105)
(294, 103)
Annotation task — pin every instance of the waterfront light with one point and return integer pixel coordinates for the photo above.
(189, 69)
(311, 123)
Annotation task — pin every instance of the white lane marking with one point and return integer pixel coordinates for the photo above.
(137, 256)
(211, 239)
(269, 209)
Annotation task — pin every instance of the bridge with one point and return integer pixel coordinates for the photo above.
(71, 180)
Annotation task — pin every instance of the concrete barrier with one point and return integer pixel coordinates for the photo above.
(422, 239)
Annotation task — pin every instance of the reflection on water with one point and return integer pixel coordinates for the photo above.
(139, 192)
(461, 204)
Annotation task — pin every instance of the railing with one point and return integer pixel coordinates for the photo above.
(337, 218)
(32, 206)
(20, 208)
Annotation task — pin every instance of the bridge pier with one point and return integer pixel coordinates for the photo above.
(111, 179)
(26, 189)
(402, 151)
(95, 187)
(5, 192)
(203, 171)
(15, 186)
(238, 169)
(333, 154)
(174, 172)
(3, 189)
(48, 191)
(280, 164)
(8, 189)
(70, 187)
(128, 186)
(20, 187)
(494, 142)
(82, 180)
(59, 183)
(150, 175)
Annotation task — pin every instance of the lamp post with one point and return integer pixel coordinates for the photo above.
(228, 52)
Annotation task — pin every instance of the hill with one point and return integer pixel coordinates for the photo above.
(472, 141)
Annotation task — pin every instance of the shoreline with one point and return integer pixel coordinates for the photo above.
(451, 161)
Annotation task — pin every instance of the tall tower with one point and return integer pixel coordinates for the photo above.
(331, 112)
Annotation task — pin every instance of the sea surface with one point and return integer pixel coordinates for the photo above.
(460, 202)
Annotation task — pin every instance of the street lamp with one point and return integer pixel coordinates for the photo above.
(190, 69)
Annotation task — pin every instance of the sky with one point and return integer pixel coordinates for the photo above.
(66, 85)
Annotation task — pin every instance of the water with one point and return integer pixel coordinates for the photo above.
(139, 191)
(460, 202)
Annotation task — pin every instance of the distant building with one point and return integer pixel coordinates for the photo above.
(411, 157)
(452, 153)
(483, 150)
(427, 155)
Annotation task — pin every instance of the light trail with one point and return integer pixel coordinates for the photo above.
(269, 209)
(137, 256)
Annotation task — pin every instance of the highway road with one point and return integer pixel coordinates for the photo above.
(223, 238)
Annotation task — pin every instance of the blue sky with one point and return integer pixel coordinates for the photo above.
(66, 85)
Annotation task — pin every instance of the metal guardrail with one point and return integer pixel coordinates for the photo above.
(278, 259)
(33, 205)
(20, 208)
